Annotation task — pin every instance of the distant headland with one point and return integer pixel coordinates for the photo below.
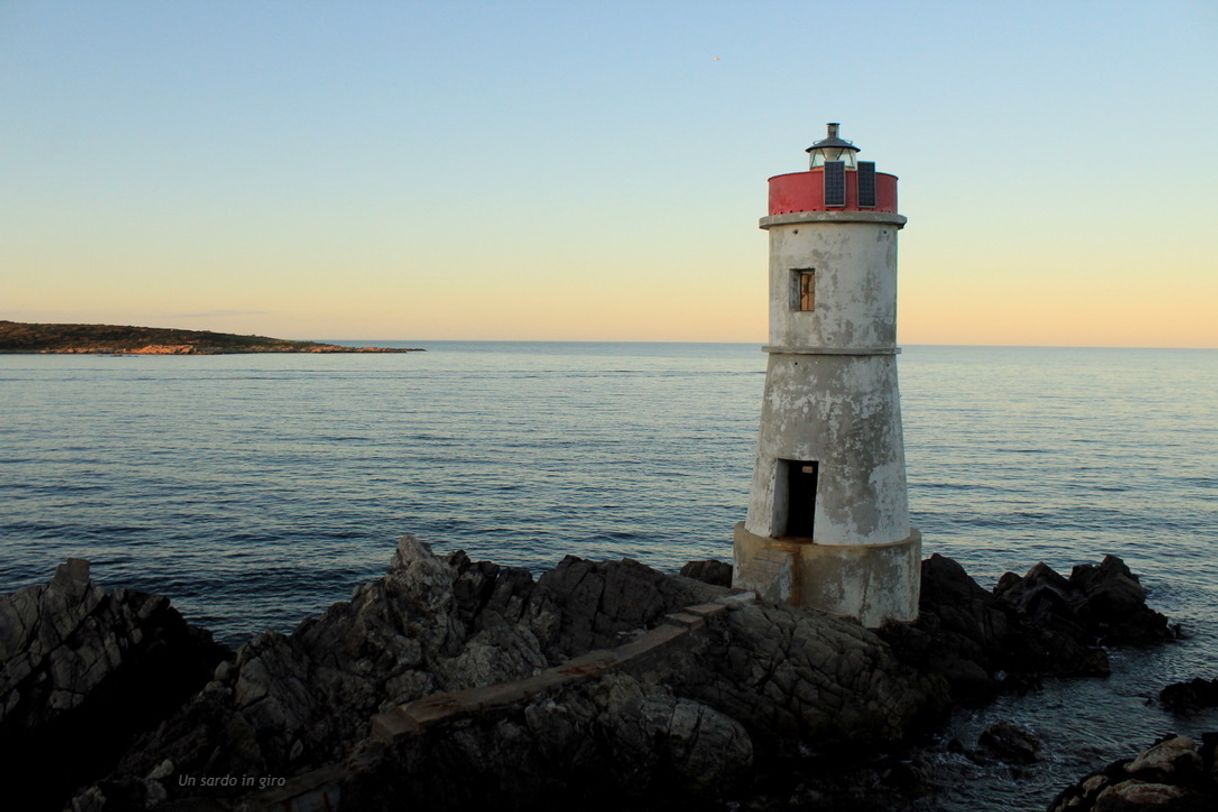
(111, 339)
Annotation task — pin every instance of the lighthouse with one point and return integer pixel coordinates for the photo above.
(828, 516)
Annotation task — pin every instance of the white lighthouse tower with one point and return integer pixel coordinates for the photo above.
(828, 519)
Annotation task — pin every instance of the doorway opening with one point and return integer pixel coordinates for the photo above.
(801, 497)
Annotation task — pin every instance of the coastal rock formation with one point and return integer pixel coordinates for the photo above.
(803, 678)
(602, 744)
(1176, 773)
(1190, 696)
(709, 571)
(450, 682)
(1037, 625)
(758, 678)
(1010, 743)
(112, 339)
(1109, 601)
(82, 672)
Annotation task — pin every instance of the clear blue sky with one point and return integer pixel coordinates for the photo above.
(573, 170)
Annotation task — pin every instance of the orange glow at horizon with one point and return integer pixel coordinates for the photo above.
(311, 178)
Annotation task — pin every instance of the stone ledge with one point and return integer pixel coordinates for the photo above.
(388, 726)
(872, 217)
(410, 719)
(782, 349)
(706, 610)
(687, 619)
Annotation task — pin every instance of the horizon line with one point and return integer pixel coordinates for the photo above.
(741, 343)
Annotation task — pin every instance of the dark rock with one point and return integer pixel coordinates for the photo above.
(712, 572)
(291, 703)
(609, 744)
(687, 723)
(683, 725)
(1132, 796)
(1171, 775)
(982, 643)
(790, 675)
(905, 777)
(1010, 743)
(1187, 697)
(1174, 760)
(960, 632)
(598, 601)
(1060, 641)
(1040, 624)
(853, 783)
(1112, 604)
(1041, 593)
(1104, 604)
(1209, 748)
(82, 672)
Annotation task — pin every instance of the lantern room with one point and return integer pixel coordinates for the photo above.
(836, 181)
(832, 148)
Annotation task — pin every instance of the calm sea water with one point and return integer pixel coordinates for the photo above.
(257, 490)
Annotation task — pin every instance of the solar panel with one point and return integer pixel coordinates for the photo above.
(866, 184)
(835, 183)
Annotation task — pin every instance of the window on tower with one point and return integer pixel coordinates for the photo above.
(803, 289)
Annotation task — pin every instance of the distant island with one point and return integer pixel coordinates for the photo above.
(112, 339)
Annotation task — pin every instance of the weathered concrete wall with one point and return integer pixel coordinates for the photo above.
(856, 284)
(843, 411)
(869, 582)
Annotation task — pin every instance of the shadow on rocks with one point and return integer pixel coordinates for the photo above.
(1040, 624)
(82, 673)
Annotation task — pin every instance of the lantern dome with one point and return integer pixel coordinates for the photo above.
(832, 148)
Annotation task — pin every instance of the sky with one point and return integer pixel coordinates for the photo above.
(595, 171)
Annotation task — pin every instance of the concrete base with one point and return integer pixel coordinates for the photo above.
(870, 582)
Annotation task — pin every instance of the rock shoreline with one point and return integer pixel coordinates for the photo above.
(109, 339)
(450, 683)
(1175, 773)
(204, 349)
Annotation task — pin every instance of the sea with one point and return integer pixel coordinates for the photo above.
(256, 490)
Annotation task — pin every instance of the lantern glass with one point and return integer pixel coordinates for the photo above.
(819, 156)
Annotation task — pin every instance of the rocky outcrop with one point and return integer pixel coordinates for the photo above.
(1010, 743)
(615, 742)
(1103, 603)
(597, 685)
(1037, 625)
(978, 642)
(1109, 601)
(709, 571)
(82, 672)
(688, 720)
(804, 679)
(1175, 773)
(78, 339)
(596, 603)
(1191, 696)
